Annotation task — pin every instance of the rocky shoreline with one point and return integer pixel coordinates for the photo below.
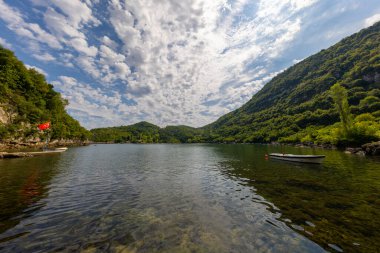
(14, 149)
(19, 146)
(369, 149)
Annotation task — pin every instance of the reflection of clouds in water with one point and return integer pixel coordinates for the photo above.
(168, 198)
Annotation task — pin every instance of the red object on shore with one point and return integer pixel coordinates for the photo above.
(44, 126)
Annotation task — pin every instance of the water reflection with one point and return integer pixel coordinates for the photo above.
(336, 204)
(183, 198)
(24, 183)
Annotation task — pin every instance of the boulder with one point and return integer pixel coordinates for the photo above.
(372, 148)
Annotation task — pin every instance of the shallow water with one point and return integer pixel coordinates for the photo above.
(188, 198)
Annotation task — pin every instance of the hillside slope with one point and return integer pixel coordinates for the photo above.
(296, 103)
(26, 100)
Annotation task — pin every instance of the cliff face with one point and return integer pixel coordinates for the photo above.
(4, 117)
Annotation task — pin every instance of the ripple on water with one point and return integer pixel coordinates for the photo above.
(169, 198)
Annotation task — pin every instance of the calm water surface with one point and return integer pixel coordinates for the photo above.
(189, 198)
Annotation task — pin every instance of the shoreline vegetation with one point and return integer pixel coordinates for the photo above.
(21, 150)
(330, 99)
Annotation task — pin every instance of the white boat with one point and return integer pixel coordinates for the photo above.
(298, 158)
(62, 149)
(48, 151)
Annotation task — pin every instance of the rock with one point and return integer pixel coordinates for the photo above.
(4, 117)
(372, 148)
(354, 151)
(53, 142)
(361, 153)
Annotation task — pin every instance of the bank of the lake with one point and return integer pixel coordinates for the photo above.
(23, 146)
(189, 198)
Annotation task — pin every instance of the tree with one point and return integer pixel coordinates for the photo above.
(339, 95)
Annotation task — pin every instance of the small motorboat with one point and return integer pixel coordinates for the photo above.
(298, 158)
(48, 151)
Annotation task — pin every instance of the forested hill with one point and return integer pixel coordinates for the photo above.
(144, 132)
(26, 100)
(296, 106)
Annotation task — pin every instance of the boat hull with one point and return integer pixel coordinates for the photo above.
(298, 158)
(48, 152)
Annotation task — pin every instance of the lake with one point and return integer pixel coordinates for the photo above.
(189, 198)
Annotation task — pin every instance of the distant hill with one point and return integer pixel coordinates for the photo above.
(144, 132)
(26, 100)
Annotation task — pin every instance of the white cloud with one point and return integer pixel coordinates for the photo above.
(59, 25)
(89, 103)
(109, 42)
(77, 13)
(82, 47)
(190, 52)
(88, 64)
(38, 69)
(15, 21)
(68, 20)
(5, 44)
(372, 20)
(46, 57)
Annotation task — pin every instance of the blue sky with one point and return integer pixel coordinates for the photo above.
(170, 62)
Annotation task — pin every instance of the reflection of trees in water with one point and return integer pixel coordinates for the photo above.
(31, 190)
(333, 203)
(23, 184)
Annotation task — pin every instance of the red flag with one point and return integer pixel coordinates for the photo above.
(44, 126)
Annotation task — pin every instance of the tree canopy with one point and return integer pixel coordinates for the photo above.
(29, 100)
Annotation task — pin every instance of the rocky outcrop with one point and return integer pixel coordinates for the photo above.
(372, 148)
(4, 117)
(356, 151)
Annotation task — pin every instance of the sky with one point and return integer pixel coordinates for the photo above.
(170, 62)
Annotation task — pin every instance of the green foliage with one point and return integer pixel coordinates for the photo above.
(145, 132)
(25, 94)
(368, 101)
(339, 94)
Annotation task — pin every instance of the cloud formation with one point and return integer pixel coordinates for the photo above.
(372, 20)
(173, 62)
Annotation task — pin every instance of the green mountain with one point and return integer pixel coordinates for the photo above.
(144, 132)
(26, 100)
(297, 106)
